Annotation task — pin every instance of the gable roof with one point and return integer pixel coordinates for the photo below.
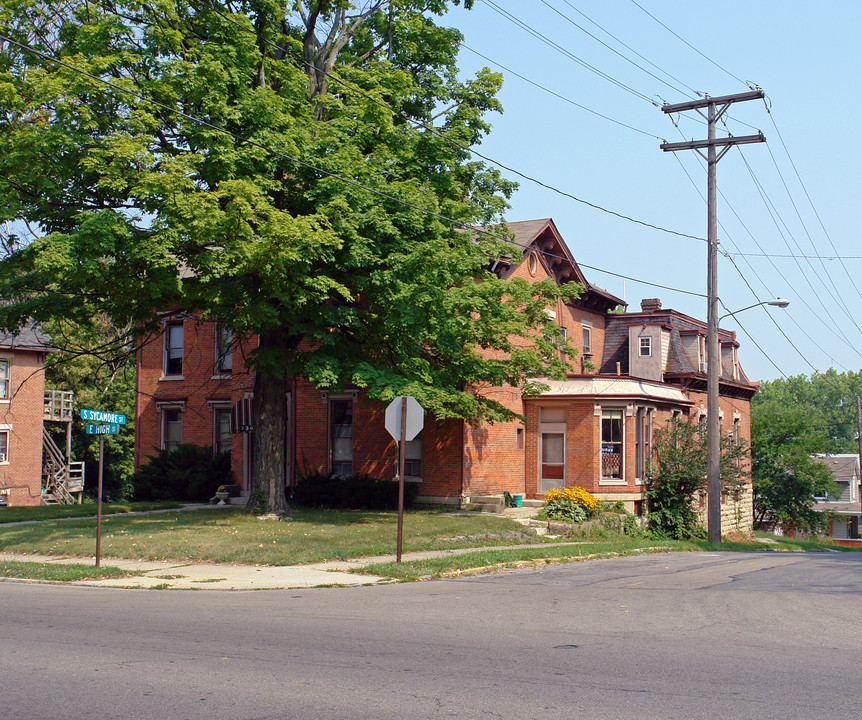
(844, 466)
(541, 236)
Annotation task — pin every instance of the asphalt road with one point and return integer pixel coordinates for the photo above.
(725, 635)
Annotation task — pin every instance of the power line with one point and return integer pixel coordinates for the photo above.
(631, 49)
(810, 201)
(475, 152)
(690, 45)
(613, 50)
(353, 183)
(557, 95)
(550, 43)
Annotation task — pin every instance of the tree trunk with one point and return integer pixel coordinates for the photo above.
(269, 410)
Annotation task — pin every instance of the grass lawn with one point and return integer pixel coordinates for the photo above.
(230, 535)
(87, 509)
(59, 573)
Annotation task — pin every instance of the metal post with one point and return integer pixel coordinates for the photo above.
(401, 454)
(99, 502)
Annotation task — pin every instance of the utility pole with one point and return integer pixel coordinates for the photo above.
(859, 440)
(715, 109)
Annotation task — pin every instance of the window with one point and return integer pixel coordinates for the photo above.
(174, 349)
(341, 436)
(221, 430)
(612, 444)
(172, 428)
(588, 338)
(564, 334)
(4, 378)
(643, 442)
(4, 446)
(645, 346)
(413, 457)
(519, 438)
(224, 350)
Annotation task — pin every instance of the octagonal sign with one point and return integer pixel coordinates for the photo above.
(415, 418)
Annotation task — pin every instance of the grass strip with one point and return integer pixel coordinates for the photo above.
(88, 509)
(60, 572)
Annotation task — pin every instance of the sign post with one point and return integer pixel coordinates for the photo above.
(113, 420)
(404, 421)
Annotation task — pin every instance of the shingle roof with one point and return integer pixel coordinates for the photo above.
(843, 466)
(30, 337)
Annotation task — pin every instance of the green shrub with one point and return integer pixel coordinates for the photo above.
(188, 472)
(351, 492)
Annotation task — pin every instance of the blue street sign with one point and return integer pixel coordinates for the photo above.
(112, 429)
(101, 416)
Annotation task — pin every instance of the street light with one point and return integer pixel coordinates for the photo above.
(778, 302)
(713, 426)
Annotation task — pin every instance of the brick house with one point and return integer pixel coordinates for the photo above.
(634, 372)
(22, 413)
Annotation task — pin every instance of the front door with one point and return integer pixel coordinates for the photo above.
(553, 459)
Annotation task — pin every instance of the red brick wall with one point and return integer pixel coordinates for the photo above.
(195, 390)
(21, 416)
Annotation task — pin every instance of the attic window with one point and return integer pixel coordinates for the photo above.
(645, 347)
(532, 263)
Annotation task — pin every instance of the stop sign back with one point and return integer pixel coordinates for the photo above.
(415, 418)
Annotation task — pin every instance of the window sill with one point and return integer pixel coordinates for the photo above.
(221, 376)
(613, 481)
(170, 378)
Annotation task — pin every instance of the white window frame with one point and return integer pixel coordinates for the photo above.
(217, 408)
(5, 379)
(5, 430)
(645, 343)
(165, 411)
(587, 338)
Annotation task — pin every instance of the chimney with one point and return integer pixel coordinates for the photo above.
(650, 305)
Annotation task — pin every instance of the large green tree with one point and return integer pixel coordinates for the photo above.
(305, 164)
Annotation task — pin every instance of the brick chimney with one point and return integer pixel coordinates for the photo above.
(650, 305)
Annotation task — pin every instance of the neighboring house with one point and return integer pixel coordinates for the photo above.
(594, 429)
(29, 459)
(844, 508)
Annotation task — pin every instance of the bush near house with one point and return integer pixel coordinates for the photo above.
(188, 472)
(355, 492)
(570, 504)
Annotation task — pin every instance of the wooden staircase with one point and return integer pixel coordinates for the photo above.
(61, 476)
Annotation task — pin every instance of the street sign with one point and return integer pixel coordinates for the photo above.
(110, 429)
(100, 416)
(415, 418)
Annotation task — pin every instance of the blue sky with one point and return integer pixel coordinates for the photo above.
(803, 55)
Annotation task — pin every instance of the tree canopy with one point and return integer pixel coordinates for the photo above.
(305, 165)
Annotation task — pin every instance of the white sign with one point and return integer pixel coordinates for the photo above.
(415, 418)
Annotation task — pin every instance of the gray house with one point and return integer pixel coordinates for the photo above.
(844, 507)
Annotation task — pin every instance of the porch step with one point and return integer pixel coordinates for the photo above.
(540, 527)
(484, 503)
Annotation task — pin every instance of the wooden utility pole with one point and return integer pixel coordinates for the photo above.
(859, 440)
(715, 108)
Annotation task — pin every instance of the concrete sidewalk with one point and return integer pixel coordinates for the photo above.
(177, 575)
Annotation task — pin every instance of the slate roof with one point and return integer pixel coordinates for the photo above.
(30, 337)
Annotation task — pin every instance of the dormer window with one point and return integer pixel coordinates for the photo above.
(645, 348)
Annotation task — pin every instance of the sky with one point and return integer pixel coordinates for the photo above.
(786, 208)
